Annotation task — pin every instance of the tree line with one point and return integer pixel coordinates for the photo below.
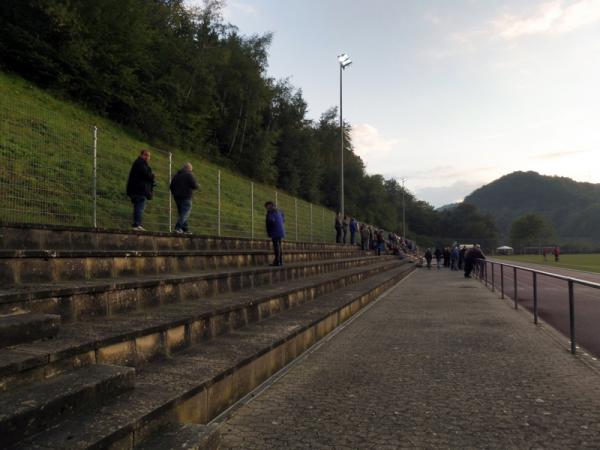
(182, 77)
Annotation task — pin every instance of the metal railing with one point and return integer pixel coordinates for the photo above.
(486, 270)
(57, 168)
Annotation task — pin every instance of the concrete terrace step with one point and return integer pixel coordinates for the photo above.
(46, 266)
(104, 297)
(35, 237)
(24, 412)
(197, 384)
(138, 337)
(19, 328)
(190, 436)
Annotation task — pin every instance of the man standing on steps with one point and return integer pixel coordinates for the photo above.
(276, 231)
(140, 186)
(182, 187)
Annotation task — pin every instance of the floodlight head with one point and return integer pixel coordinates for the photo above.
(344, 60)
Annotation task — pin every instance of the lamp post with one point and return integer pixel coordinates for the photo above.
(344, 61)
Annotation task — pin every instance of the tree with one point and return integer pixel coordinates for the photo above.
(530, 229)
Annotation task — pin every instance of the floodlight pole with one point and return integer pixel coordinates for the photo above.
(342, 149)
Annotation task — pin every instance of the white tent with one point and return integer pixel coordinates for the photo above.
(505, 250)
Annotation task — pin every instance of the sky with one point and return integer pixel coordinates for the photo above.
(449, 94)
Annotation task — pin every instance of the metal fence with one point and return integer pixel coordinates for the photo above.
(549, 296)
(58, 169)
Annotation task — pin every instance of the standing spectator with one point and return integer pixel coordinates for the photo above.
(454, 257)
(380, 242)
(447, 257)
(472, 260)
(428, 257)
(182, 187)
(345, 224)
(276, 231)
(364, 237)
(371, 238)
(556, 253)
(461, 257)
(140, 186)
(438, 256)
(353, 230)
(338, 228)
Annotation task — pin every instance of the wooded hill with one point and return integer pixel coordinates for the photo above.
(573, 208)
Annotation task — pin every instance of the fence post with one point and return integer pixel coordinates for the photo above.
(170, 199)
(572, 317)
(515, 287)
(296, 216)
(276, 202)
(502, 280)
(311, 224)
(323, 224)
(535, 299)
(252, 208)
(95, 178)
(493, 278)
(219, 203)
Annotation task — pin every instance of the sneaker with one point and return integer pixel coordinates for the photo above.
(138, 228)
(178, 231)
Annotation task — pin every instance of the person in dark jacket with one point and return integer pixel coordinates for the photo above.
(438, 256)
(353, 230)
(140, 185)
(182, 187)
(338, 228)
(461, 257)
(276, 231)
(428, 258)
(473, 257)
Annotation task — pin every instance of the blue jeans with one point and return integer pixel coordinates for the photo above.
(139, 204)
(184, 208)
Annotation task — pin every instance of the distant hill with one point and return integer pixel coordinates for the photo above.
(447, 207)
(572, 207)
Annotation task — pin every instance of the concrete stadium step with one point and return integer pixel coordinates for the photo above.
(49, 266)
(190, 436)
(24, 412)
(199, 383)
(138, 337)
(49, 237)
(78, 300)
(18, 328)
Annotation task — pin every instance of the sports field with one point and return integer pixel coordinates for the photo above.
(586, 262)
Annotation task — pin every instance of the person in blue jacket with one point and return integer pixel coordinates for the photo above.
(276, 231)
(353, 230)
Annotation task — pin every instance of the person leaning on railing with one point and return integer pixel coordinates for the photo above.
(472, 260)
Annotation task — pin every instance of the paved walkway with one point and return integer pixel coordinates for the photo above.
(439, 363)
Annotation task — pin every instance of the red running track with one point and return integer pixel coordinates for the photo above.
(553, 299)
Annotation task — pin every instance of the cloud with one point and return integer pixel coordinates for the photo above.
(369, 143)
(236, 8)
(560, 154)
(552, 17)
(444, 195)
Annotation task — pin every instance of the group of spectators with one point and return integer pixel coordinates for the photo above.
(140, 188)
(457, 258)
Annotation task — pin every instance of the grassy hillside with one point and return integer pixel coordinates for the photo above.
(46, 175)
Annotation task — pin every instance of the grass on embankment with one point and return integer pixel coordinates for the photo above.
(46, 154)
(585, 262)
